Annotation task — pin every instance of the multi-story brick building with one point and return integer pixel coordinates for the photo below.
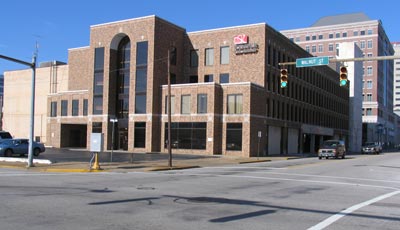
(396, 76)
(323, 39)
(225, 93)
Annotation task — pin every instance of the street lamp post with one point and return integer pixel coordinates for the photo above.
(113, 121)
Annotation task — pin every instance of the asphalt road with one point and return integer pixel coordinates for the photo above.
(359, 192)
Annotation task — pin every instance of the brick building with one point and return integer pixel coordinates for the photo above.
(225, 93)
(324, 37)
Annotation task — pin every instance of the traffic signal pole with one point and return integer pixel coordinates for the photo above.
(32, 118)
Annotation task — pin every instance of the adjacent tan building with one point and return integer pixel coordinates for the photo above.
(226, 96)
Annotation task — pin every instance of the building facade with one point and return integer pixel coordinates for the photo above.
(50, 77)
(323, 39)
(225, 92)
(396, 76)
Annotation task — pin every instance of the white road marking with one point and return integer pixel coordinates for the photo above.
(343, 213)
(296, 180)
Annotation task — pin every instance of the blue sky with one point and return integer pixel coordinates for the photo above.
(60, 25)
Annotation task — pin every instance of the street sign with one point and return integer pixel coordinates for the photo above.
(313, 61)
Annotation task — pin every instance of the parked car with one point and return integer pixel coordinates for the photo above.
(5, 135)
(371, 147)
(332, 148)
(10, 147)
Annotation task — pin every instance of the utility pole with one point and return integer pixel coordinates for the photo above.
(32, 116)
(169, 111)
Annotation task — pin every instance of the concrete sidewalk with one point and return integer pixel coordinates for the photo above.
(141, 162)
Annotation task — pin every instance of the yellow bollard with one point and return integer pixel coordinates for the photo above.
(95, 165)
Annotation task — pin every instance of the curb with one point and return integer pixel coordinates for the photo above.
(165, 168)
(255, 161)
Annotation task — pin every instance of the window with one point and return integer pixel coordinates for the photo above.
(224, 78)
(369, 32)
(123, 78)
(75, 107)
(53, 109)
(141, 79)
(209, 57)
(208, 78)
(337, 35)
(194, 58)
(369, 97)
(202, 103)
(97, 127)
(173, 56)
(234, 136)
(185, 104)
(313, 49)
(85, 107)
(307, 38)
(344, 34)
(362, 44)
(369, 111)
(320, 48)
(172, 104)
(193, 79)
(140, 135)
(308, 49)
(369, 84)
(98, 80)
(330, 35)
(235, 103)
(314, 37)
(362, 32)
(320, 36)
(64, 107)
(330, 47)
(369, 44)
(225, 55)
(369, 70)
(297, 39)
(355, 33)
(97, 105)
(99, 58)
(187, 135)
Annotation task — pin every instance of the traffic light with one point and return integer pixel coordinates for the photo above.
(284, 78)
(343, 75)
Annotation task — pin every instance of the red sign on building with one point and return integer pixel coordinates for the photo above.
(241, 39)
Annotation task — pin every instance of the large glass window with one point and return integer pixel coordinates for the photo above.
(194, 58)
(98, 80)
(123, 80)
(187, 135)
(140, 135)
(209, 57)
(53, 109)
(235, 104)
(64, 107)
(141, 77)
(185, 104)
(225, 55)
(75, 107)
(202, 103)
(234, 136)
